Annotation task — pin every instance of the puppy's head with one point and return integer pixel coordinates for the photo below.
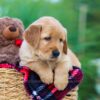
(49, 41)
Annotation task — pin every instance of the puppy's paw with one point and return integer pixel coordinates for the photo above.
(47, 78)
(61, 83)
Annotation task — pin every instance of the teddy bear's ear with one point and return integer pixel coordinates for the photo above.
(20, 26)
(32, 35)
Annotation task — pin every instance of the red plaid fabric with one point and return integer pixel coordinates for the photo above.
(40, 91)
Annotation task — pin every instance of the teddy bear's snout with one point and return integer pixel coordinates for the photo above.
(12, 28)
(11, 32)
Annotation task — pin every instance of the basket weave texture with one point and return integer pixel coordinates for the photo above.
(11, 85)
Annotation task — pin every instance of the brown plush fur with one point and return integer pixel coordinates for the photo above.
(8, 49)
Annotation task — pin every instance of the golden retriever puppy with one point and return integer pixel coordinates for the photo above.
(44, 50)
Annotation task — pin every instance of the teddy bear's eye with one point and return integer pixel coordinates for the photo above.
(47, 38)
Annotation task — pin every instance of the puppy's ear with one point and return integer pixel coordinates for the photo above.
(65, 43)
(65, 47)
(32, 35)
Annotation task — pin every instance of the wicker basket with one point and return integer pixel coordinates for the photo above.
(11, 85)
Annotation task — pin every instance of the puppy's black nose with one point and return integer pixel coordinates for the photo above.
(55, 53)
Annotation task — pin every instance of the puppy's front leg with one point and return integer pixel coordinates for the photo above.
(44, 71)
(61, 76)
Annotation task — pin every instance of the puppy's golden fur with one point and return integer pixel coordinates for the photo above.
(41, 38)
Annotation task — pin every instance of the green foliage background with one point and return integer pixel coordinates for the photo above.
(85, 44)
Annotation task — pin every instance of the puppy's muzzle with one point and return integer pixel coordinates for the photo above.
(55, 53)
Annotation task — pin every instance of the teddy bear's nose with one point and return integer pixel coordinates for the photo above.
(12, 29)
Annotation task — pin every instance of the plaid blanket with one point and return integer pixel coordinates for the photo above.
(40, 91)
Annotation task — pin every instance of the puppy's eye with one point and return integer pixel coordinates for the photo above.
(47, 38)
(61, 40)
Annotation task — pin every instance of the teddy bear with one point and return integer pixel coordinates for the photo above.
(11, 81)
(11, 30)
